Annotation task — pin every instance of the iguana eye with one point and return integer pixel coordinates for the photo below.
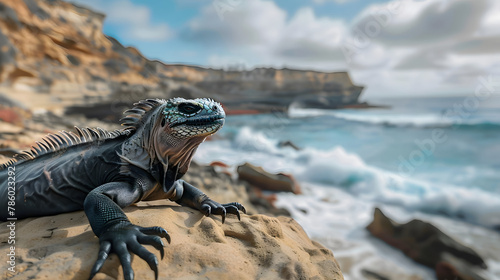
(188, 108)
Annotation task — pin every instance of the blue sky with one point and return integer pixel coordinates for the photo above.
(177, 14)
(394, 48)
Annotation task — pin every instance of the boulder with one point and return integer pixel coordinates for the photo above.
(428, 245)
(257, 247)
(264, 180)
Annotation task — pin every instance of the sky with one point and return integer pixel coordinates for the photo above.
(399, 48)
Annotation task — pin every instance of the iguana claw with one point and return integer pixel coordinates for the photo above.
(211, 207)
(237, 205)
(232, 209)
(121, 239)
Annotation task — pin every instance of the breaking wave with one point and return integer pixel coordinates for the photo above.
(394, 119)
(340, 169)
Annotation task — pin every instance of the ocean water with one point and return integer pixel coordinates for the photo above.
(430, 158)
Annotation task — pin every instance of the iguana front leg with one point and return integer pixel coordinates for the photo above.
(194, 198)
(116, 233)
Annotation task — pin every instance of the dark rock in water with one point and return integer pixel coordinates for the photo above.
(455, 270)
(428, 245)
(264, 180)
(288, 144)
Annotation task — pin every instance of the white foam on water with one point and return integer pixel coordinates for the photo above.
(339, 169)
(340, 192)
(393, 118)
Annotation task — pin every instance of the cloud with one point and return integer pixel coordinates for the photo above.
(309, 38)
(490, 25)
(424, 22)
(482, 45)
(409, 46)
(433, 46)
(132, 21)
(336, 1)
(265, 34)
(422, 59)
(252, 23)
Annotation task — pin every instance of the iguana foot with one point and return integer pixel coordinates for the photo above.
(209, 206)
(122, 238)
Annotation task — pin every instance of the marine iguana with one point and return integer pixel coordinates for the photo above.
(103, 171)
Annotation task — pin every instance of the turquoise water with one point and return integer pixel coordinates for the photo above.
(387, 138)
(436, 155)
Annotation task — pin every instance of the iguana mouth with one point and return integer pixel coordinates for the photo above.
(219, 119)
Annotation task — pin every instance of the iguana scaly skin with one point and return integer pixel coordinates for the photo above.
(101, 172)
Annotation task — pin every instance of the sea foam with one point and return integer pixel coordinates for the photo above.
(430, 119)
(337, 168)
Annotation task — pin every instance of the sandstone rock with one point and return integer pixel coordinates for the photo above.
(258, 247)
(428, 245)
(55, 47)
(264, 180)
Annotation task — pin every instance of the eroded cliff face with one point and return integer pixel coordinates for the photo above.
(271, 89)
(59, 48)
(54, 47)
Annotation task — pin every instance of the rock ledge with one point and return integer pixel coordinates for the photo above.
(258, 247)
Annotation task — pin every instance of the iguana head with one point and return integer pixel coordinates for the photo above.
(184, 119)
(171, 130)
(185, 124)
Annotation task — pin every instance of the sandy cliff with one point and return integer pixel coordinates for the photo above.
(58, 48)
